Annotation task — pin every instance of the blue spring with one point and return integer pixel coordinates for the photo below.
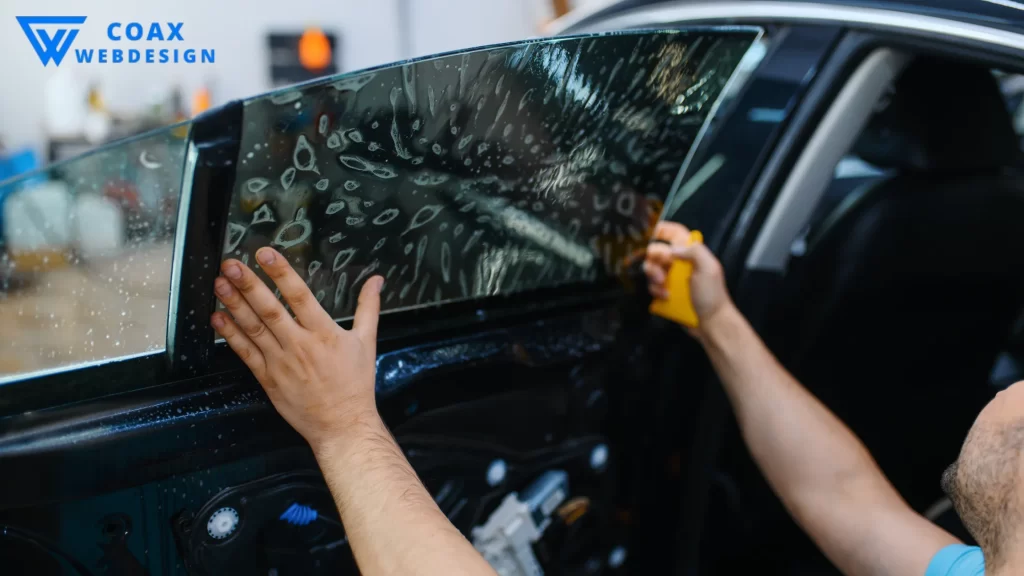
(299, 515)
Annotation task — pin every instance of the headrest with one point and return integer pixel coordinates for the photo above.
(943, 117)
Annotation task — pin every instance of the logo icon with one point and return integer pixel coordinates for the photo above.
(47, 47)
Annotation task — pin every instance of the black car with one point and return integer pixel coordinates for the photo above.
(856, 166)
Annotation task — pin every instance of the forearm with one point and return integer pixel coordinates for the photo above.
(393, 524)
(817, 466)
(799, 443)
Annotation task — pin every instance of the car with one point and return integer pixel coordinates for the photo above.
(856, 167)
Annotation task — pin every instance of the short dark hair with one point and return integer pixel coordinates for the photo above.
(983, 485)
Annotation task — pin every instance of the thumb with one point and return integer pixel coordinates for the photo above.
(368, 310)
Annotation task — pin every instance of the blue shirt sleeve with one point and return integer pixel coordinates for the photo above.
(957, 560)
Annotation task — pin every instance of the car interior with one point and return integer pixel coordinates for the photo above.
(900, 308)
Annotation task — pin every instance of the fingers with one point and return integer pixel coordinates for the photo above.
(240, 343)
(245, 318)
(672, 232)
(295, 292)
(368, 310)
(659, 258)
(660, 254)
(261, 300)
(655, 272)
(658, 291)
(697, 253)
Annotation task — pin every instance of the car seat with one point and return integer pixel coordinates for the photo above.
(907, 295)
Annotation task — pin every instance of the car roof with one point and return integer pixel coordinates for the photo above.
(1004, 14)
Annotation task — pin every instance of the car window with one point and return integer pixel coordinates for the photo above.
(462, 176)
(85, 255)
(485, 173)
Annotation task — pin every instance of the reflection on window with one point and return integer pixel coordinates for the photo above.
(85, 255)
(477, 174)
(1012, 87)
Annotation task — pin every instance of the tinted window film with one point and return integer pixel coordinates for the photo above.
(85, 255)
(470, 175)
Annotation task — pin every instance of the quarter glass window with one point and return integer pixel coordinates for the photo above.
(85, 255)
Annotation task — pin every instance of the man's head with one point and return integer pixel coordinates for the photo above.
(985, 483)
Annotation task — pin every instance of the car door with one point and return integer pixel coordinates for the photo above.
(745, 527)
(503, 193)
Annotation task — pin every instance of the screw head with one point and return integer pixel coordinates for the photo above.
(599, 457)
(496, 472)
(617, 557)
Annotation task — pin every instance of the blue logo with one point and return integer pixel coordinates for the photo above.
(128, 42)
(49, 47)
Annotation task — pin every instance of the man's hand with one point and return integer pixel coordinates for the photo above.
(707, 283)
(319, 376)
(321, 379)
(818, 468)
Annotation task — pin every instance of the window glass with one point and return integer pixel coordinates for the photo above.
(470, 175)
(85, 255)
(467, 175)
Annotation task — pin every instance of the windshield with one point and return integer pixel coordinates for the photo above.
(462, 176)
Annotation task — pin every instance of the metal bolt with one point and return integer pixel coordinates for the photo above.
(496, 472)
(599, 457)
(617, 557)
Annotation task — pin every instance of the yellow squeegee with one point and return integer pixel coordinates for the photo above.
(679, 307)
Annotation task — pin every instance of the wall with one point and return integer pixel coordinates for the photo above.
(371, 34)
(446, 25)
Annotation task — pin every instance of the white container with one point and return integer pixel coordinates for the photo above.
(38, 218)
(99, 226)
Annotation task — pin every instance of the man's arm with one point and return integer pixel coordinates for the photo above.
(320, 377)
(393, 524)
(819, 469)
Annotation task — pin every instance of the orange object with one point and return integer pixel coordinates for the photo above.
(200, 102)
(679, 306)
(314, 50)
(41, 260)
